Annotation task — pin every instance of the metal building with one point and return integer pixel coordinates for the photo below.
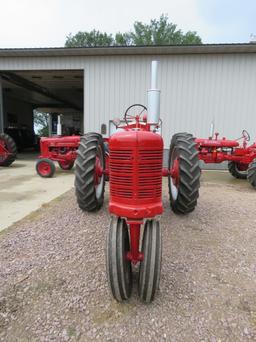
(91, 86)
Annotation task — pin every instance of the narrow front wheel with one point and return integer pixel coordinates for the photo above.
(118, 266)
(150, 267)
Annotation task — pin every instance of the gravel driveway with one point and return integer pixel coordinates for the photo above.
(53, 283)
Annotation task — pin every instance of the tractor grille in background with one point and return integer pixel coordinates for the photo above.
(136, 178)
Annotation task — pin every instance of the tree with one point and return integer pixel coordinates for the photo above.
(41, 123)
(161, 32)
(157, 32)
(89, 39)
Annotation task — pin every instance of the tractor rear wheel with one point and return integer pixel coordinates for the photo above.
(251, 174)
(237, 170)
(66, 165)
(150, 266)
(7, 142)
(119, 270)
(89, 176)
(184, 180)
(45, 167)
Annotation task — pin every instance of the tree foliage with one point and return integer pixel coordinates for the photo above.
(89, 39)
(157, 32)
(41, 123)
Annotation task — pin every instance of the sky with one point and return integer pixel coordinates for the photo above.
(46, 23)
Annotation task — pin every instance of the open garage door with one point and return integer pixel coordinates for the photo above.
(53, 91)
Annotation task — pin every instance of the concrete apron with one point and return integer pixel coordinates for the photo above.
(22, 191)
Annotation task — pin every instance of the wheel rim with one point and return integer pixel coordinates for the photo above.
(241, 167)
(174, 178)
(98, 174)
(4, 150)
(44, 168)
(65, 164)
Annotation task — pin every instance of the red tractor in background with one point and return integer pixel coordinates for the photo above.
(8, 150)
(241, 158)
(133, 162)
(62, 149)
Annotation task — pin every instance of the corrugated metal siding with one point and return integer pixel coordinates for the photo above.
(195, 89)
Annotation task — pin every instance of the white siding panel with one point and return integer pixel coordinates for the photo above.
(194, 91)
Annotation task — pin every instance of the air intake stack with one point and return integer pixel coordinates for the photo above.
(153, 97)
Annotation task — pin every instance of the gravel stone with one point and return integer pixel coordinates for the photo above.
(53, 284)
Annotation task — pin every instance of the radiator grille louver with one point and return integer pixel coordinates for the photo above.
(136, 176)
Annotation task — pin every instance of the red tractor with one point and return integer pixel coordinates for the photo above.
(133, 161)
(241, 158)
(8, 150)
(61, 149)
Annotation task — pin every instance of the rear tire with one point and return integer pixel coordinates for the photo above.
(150, 266)
(251, 173)
(64, 165)
(119, 270)
(10, 146)
(184, 188)
(90, 196)
(45, 167)
(233, 169)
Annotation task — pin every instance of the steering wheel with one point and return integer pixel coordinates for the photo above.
(129, 116)
(246, 135)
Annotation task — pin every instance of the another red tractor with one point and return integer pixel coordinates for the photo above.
(134, 164)
(8, 150)
(61, 149)
(241, 158)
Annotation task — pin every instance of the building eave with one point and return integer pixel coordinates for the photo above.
(131, 50)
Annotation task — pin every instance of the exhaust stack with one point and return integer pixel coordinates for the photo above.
(211, 130)
(59, 126)
(153, 97)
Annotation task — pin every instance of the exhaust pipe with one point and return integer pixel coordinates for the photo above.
(59, 126)
(211, 130)
(153, 97)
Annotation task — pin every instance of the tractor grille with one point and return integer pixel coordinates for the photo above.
(136, 175)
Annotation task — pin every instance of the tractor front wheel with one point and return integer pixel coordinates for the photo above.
(150, 267)
(89, 172)
(251, 174)
(66, 165)
(8, 150)
(184, 178)
(119, 270)
(237, 170)
(45, 167)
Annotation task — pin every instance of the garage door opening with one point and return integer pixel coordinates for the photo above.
(27, 95)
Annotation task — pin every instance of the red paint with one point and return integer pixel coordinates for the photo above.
(134, 254)
(135, 174)
(175, 172)
(98, 171)
(4, 153)
(44, 168)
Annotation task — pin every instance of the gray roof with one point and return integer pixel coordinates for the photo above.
(131, 50)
